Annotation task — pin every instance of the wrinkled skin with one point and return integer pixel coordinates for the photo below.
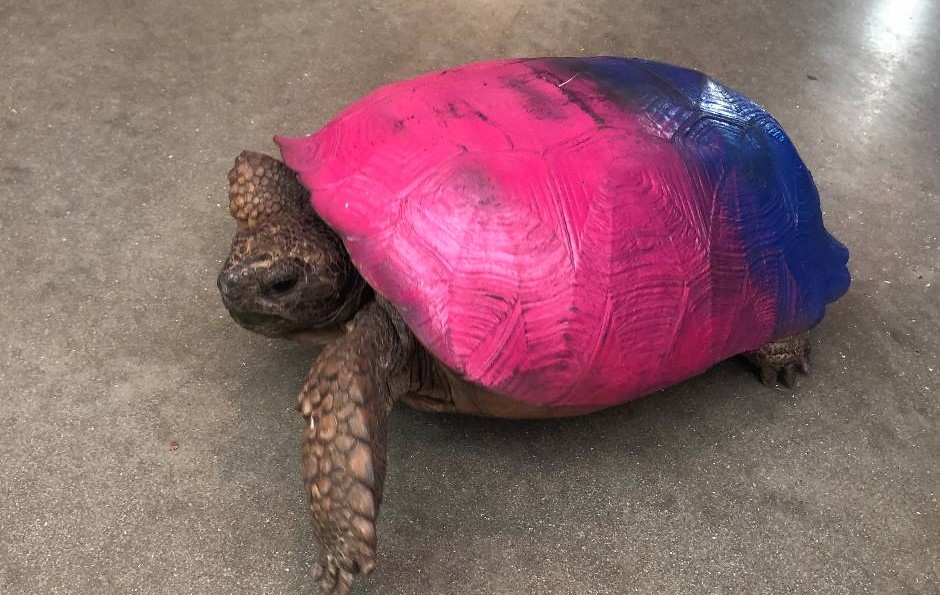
(289, 275)
(287, 272)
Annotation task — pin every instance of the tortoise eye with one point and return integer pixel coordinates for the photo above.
(281, 286)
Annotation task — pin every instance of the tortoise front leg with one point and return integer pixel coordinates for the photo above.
(345, 403)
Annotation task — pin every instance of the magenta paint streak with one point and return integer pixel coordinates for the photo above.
(539, 239)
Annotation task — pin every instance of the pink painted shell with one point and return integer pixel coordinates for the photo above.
(575, 232)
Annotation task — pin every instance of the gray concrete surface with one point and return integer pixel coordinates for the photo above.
(119, 121)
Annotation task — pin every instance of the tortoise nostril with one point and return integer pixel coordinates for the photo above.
(228, 283)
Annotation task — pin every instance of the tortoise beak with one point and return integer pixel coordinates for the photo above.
(251, 294)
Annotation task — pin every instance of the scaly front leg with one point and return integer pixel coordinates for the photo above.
(345, 404)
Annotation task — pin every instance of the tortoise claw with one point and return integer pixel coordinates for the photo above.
(332, 579)
(804, 364)
(768, 376)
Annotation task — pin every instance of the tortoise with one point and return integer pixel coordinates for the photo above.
(523, 239)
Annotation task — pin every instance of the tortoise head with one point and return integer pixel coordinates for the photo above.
(287, 271)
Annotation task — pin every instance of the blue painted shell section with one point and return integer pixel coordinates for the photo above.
(742, 152)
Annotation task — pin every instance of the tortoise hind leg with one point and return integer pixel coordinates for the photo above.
(781, 359)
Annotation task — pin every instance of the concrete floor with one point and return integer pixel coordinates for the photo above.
(119, 121)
